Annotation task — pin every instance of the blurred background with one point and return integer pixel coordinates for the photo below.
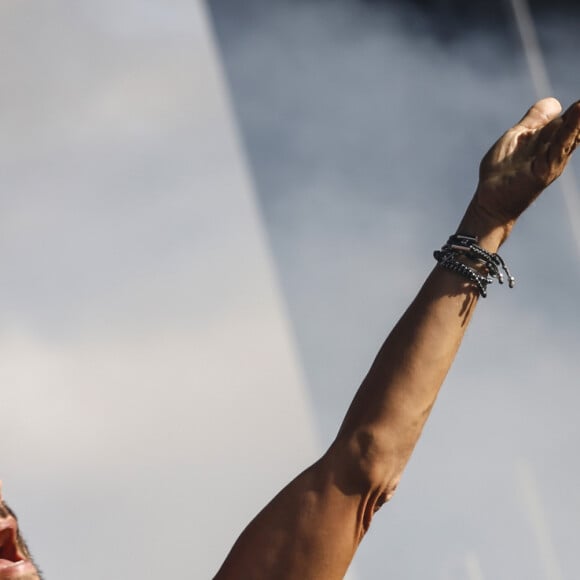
(212, 213)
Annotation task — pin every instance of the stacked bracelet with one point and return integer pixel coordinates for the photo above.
(467, 246)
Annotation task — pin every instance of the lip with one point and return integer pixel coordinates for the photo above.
(15, 570)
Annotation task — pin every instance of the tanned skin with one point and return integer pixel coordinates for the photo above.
(312, 528)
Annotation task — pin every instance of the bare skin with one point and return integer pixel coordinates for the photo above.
(15, 560)
(312, 528)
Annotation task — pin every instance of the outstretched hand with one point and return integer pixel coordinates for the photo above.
(524, 161)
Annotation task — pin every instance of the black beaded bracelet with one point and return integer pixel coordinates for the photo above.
(467, 246)
(447, 260)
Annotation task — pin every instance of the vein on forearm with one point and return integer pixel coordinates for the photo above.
(396, 397)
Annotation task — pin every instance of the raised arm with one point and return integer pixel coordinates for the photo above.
(312, 528)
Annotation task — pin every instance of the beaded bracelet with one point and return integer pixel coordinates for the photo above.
(467, 246)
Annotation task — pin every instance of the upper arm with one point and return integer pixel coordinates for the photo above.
(311, 529)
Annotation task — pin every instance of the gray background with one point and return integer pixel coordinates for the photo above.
(144, 349)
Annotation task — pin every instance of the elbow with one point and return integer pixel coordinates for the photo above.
(373, 461)
(367, 466)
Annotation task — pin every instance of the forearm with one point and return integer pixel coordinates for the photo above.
(390, 408)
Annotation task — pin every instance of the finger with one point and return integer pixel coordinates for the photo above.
(565, 139)
(547, 133)
(569, 132)
(541, 114)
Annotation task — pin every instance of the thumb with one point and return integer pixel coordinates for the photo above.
(541, 114)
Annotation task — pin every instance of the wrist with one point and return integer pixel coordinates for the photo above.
(491, 232)
(464, 255)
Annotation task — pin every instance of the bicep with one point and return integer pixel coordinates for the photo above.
(310, 530)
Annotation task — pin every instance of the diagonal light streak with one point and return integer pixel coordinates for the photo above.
(532, 503)
(473, 567)
(543, 88)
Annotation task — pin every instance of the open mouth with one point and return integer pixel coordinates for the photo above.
(12, 560)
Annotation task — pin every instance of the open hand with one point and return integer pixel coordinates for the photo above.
(524, 161)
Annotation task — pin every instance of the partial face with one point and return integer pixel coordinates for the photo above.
(15, 560)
